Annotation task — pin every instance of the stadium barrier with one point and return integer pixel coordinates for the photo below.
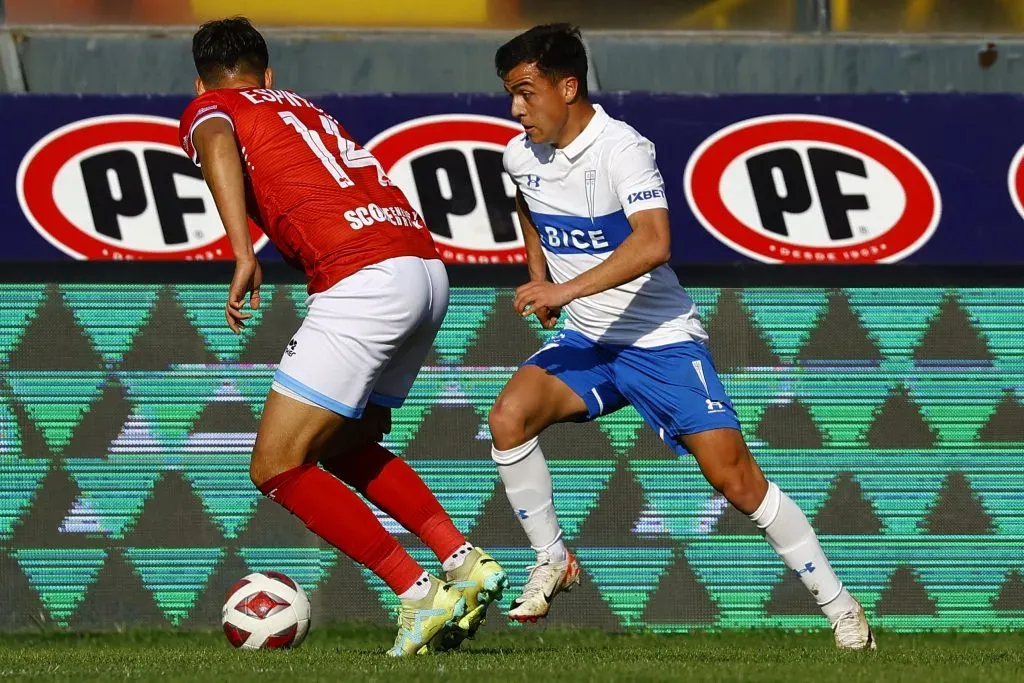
(887, 402)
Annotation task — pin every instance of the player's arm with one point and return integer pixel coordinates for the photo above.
(535, 261)
(217, 152)
(646, 248)
(640, 189)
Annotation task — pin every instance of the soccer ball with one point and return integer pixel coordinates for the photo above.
(266, 610)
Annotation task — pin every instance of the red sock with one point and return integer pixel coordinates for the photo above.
(331, 511)
(390, 484)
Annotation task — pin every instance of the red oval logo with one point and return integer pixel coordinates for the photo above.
(797, 188)
(450, 168)
(1015, 180)
(121, 188)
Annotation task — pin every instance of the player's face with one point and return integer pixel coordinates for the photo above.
(541, 106)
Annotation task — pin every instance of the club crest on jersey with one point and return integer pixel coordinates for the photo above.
(591, 183)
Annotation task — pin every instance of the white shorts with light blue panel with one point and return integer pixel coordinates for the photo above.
(365, 339)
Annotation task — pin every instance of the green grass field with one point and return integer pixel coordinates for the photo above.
(357, 654)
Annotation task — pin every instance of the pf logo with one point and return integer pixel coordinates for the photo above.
(1016, 181)
(450, 168)
(120, 187)
(810, 189)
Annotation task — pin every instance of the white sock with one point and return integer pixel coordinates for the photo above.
(787, 530)
(557, 553)
(456, 559)
(528, 487)
(418, 590)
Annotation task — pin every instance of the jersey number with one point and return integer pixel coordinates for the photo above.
(348, 154)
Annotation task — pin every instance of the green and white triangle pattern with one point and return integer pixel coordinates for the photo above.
(114, 491)
(204, 306)
(577, 484)
(172, 400)
(19, 306)
(221, 479)
(680, 502)
(19, 476)
(996, 313)
(19, 480)
(111, 328)
(298, 295)
(956, 422)
(175, 576)
(56, 408)
(622, 427)
(468, 310)
(896, 322)
(786, 316)
(60, 577)
(462, 487)
(626, 577)
(706, 299)
(306, 566)
(251, 383)
(433, 387)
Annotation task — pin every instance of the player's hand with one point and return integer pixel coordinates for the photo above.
(548, 317)
(533, 297)
(247, 280)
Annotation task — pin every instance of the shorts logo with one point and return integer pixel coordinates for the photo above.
(715, 406)
(290, 349)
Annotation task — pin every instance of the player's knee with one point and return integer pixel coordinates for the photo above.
(509, 420)
(269, 461)
(742, 484)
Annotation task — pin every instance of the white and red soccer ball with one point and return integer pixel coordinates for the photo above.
(266, 611)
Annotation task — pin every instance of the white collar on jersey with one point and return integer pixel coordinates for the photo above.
(588, 135)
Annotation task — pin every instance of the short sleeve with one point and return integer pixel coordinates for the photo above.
(636, 179)
(506, 160)
(203, 108)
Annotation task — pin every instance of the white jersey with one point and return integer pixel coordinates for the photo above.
(580, 198)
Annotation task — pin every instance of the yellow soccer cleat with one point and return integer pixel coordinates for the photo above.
(482, 581)
(420, 621)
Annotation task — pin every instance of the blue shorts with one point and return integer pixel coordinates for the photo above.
(675, 388)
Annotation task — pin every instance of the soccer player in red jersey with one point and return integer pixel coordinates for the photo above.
(378, 293)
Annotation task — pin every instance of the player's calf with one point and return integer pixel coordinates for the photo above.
(729, 467)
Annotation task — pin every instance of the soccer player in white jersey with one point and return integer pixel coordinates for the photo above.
(595, 218)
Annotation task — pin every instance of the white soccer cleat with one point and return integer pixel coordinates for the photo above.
(547, 579)
(852, 631)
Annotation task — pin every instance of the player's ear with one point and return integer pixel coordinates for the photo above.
(268, 77)
(200, 86)
(570, 89)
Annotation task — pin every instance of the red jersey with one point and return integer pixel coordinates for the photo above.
(322, 199)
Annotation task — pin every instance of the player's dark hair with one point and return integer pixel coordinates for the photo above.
(556, 49)
(227, 46)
